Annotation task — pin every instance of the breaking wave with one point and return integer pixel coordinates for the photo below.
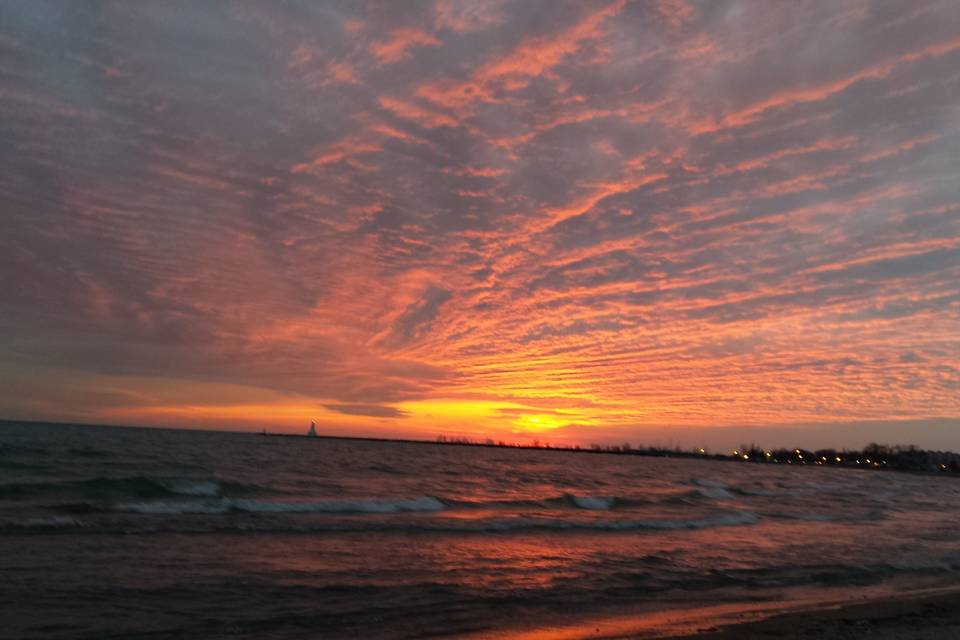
(422, 503)
(590, 502)
(714, 490)
(374, 505)
(504, 525)
(130, 487)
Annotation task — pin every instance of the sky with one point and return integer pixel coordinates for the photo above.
(659, 221)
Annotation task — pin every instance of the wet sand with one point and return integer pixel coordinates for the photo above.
(933, 616)
(830, 614)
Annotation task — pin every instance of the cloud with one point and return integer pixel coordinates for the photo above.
(664, 213)
(414, 321)
(399, 42)
(464, 16)
(371, 410)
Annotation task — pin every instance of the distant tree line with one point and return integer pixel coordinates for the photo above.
(873, 456)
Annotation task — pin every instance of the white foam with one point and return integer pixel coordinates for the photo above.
(54, 522)
(422, 503)
(714, 489)
(715, 493)
(592, 503)
(204, 488)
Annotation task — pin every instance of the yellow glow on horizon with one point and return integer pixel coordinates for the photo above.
(466, 409)
(537, 423)
(490, 416)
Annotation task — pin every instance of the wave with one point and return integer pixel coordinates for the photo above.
(434, 504)
(54, 522)
(714, 490)
(563, 501)
(373, 505)
(364, 525)
(591, 503)
(227, 505)
(506, 525)
(841, 516)
(129, 487)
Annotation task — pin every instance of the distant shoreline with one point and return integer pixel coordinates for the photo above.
(849, 461)
(844, 459)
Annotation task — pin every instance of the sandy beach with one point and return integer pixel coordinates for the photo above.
(931, 616)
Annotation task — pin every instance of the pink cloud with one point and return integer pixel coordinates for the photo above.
(399, 43)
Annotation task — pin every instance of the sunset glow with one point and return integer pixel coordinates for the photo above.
(575, 222)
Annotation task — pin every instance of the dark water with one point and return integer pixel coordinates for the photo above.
(136, 533)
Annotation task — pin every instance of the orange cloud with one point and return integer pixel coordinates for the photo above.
(399, 43)
(796, 96)
(423, 116)
(530, 58)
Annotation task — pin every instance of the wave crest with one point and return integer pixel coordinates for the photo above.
(422, 503)
(128, 487)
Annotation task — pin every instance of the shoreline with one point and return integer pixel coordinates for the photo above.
(829, 614)
(924, 615)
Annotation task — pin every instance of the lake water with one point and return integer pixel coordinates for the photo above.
(141, 533)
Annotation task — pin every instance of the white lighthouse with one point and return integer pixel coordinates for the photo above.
(313, 430)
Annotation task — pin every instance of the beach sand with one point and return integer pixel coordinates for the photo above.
(932, 616)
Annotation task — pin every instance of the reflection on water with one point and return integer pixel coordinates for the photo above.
(182, 534)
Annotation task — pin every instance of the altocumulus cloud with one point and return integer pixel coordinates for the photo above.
(640, 213)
